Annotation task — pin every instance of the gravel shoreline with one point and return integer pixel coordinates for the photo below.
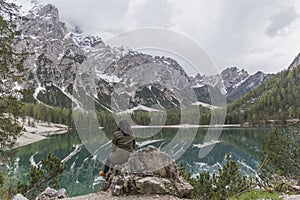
(39, 132)
(107, 196)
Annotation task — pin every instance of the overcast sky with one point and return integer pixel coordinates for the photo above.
(251, 34)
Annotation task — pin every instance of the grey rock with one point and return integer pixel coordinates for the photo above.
(235, 83)
(50, 194)
(247, 85)
(148, 171)
(62, 59)
(19, 197)
(295, 62)
(233, 76)
(148, 185)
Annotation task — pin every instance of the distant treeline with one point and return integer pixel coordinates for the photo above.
(66, 116)
(46, 113)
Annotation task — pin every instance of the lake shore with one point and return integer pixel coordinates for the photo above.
(107, 196)
(190, 126)
(39, 131)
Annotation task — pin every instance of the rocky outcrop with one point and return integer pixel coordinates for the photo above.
(148, 171)
(60, 60)
(295, 62)
(107, 196)
(236, 83)
(50, 194)
(247, 85)
(19, 197)
(233, 76)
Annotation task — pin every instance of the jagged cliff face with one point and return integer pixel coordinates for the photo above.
(59, 57)
(247, 85)
(61, 60)
(233, 77)
(236, 82)
(55, 55)
(239, 82)
(295, 62)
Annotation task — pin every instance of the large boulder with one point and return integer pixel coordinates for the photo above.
(50, 194)
(19, 197)
(148, 171)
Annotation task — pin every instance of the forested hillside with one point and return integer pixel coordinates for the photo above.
(276, 99)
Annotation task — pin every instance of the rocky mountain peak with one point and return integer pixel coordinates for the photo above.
(44, 21)
(59, 56)
(245, 86)
(233, 76)
(48, 10)
(237, 82)
(87, 42)
(295, 62)
(230, 71)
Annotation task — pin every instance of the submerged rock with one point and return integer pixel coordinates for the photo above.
(50, 193)
(148, 171)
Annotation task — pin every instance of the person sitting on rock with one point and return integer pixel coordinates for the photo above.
(123, 143)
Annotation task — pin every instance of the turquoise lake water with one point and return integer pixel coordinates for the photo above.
(81, 175)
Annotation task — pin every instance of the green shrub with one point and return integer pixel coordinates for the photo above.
(41, 177)
(257, 194)
(281, 158)
(228, 182)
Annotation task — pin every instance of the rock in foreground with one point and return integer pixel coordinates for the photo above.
(19, 197)
(50, 194)
(148, 171)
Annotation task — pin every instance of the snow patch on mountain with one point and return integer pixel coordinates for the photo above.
(109, 78)
(17, 86)
(139, 107)
(198, 103)
(62, 56)
(38, 90)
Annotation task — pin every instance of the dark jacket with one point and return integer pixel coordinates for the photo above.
(122, 145)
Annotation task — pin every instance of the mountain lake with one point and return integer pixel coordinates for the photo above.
(82, 166)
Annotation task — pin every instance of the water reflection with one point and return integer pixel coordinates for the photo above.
(244, 144)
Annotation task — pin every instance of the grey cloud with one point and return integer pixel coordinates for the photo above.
(234, 32)
(35, 2)
(114, 16)
(154, 13)
(94, 17)
(281, 20)
(241, 25)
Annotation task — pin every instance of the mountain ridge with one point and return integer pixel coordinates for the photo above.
(237, 82)
(60, 57)
(295, 62)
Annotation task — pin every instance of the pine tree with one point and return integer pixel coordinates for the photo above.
(39, 177)
(281, 154)
(228, 182)
(11, 68)
(275, 99)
